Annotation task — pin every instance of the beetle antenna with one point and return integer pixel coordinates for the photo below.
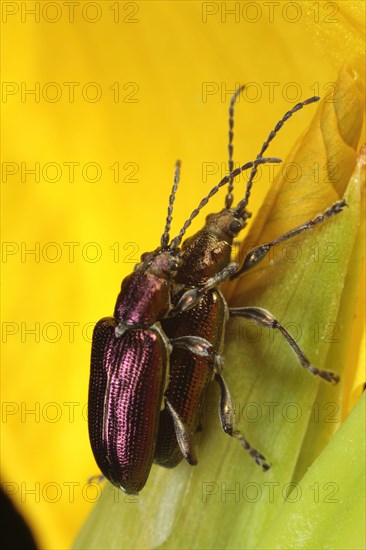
(229, 196)
(165, 236)
(177, 240)
(244, 202)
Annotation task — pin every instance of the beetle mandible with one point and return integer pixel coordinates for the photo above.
(130, 359)
(203, 311)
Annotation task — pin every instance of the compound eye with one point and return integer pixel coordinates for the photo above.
(145, 256)
(173, 265)
(235, 227)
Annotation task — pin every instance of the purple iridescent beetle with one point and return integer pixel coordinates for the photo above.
(130, 360)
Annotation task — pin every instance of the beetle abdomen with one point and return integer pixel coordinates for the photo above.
(125, 393)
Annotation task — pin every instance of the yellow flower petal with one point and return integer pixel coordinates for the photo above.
(169, 54)
(339, 30)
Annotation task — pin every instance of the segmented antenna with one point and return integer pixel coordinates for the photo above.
(244, 202)
(165, 236)
(177, 240)
(229, 196)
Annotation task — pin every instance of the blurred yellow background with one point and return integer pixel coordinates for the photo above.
(98, 101)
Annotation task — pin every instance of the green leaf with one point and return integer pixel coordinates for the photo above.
(328, 506)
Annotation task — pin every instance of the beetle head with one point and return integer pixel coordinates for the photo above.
(162, 262)
(228, 223)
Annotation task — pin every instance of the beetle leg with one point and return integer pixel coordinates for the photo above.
(227, 418)
(199, 346)
(185, 437)
(257, 254)
(97, 478)
(265, 319)
(192, 296)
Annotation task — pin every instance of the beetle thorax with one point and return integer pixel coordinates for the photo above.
(207, 252)
(145, 294)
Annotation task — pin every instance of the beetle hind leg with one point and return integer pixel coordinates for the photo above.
(227, 418)
(265, 319)
(185, 438)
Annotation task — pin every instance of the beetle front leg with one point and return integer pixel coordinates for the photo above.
(227, 419)
(191, 297)
(257, 254)
(265, 319)
(97, 478)
(199, 346)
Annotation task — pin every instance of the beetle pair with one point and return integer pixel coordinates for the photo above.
(165, 341)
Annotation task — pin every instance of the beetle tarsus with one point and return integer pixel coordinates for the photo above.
(227, 418)
(97, 478)
(256, 455)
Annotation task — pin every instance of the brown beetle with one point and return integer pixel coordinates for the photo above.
(201, 310)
